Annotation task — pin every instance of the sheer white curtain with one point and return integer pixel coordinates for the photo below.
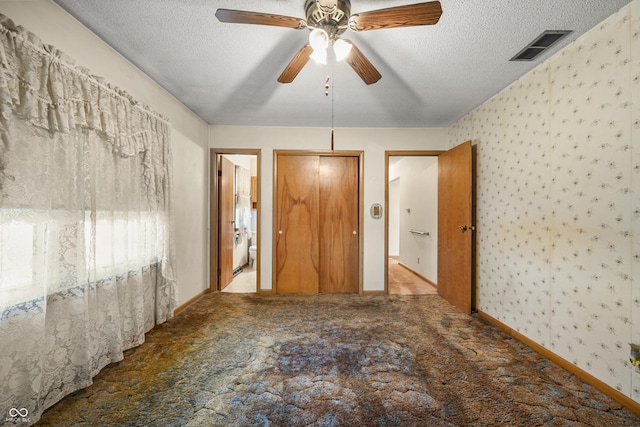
(243, 201)
(86, 259)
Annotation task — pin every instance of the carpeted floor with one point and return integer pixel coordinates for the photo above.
(329, 360)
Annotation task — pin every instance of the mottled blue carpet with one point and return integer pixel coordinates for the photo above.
(334, 360)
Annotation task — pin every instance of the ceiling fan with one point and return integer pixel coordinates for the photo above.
(328, 20)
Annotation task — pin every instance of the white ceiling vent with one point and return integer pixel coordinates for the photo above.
(541, 43)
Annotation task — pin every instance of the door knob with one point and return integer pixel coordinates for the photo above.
(279, 231)
(354, 232)
(464, 228)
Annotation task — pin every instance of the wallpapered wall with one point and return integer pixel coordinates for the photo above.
(558, 201)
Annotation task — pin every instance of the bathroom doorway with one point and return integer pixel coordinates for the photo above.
(235, 220)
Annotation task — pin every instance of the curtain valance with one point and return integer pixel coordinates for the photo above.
(42, 85)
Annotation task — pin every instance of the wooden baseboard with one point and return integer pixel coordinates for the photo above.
(418, 274)
(585, 376)
(177, 310)
(374, 293)
(270, 291)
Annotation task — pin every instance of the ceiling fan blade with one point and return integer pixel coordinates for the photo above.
(362, 66)
(296, 64)
(402, 16)
(244, 17)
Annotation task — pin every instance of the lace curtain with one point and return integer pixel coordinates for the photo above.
(86, 259)
(243, 202)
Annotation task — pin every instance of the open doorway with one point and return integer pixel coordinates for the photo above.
(412, 223)
(235, 221)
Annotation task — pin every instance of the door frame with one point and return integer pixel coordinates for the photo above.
(387, 154)
(328, 153)
(214, 244)
(437, 153)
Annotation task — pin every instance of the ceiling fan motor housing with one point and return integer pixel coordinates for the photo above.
(334, 21)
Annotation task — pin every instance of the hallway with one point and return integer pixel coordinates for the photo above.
(403, 281)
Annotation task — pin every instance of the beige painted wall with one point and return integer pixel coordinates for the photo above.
(374, 143)
(188, 132)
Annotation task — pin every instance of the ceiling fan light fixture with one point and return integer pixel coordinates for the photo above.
(319, 41)
(319, 56)
(341, 49)
(328, 20)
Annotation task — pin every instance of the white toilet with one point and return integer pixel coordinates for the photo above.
(252, 250)
(252, 256)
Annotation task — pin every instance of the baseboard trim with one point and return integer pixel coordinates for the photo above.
(177, 310)
(374, 293)
(583, 375)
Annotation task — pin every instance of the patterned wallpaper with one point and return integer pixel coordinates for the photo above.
(558, 201)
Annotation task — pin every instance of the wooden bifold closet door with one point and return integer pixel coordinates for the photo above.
(317, 242)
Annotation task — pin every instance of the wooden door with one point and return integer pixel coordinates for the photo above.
(455, 227)
(339, 249)
(297, 244)
(226, 177)
(317, 240)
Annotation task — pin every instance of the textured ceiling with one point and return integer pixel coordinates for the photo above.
(431, 75)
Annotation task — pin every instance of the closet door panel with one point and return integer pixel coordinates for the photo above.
(297, 257)
(338, 218)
